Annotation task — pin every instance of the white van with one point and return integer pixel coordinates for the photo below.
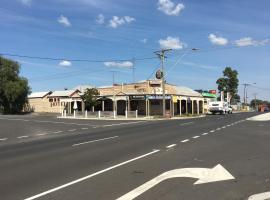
(220, 107)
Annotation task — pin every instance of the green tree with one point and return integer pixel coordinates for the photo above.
(90, 98)
(257, 102)
(13, 88)
(229, 82)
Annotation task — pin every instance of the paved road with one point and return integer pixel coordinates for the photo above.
(48, 158)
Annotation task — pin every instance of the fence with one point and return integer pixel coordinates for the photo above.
(99, 114)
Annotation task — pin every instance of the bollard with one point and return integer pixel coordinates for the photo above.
(74, 113)
(65, 113)
(136, 113)
(62, 113)
(114, 114)
(126, 113)
(86, 114)
(99, 114)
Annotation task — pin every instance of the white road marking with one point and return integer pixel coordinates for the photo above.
(90, 176)
(23, 136)
(223, 127)
(3, 139)
(57, 132)
(228, 125)
(124, 123)
(108, 138)
(205, 134)
(196, 137)
(204, 175)
(187, 123)
(212, 131)
(170, 146)
(71, 130)
(185, 140)
(218, 129)
(261, 196)
(41, 134)
(84, 128)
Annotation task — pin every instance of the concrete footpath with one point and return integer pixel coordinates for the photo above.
(262, 117)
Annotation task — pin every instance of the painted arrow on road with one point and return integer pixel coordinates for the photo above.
(261, 196)
(204, 175)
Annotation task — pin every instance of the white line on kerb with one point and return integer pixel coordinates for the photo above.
(196, 137)
(108, 138)
(170, 146)
(205, 134)
(89, 176)
(24, 136)
(3, 139)
(185, 140)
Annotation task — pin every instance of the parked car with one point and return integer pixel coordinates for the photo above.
(220, 107)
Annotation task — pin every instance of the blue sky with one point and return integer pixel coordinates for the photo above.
(226, 32)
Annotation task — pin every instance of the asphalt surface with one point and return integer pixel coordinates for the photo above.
(49, 158)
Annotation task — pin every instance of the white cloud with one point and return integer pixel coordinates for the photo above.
(100, 19)
(169, 7)
(171, 43)
(125, 64)
(65, 63)
(64, 21)
(217, 40)
(118, 21)
(202, 66)
(144, 40)
(248, 41)
(26, 2)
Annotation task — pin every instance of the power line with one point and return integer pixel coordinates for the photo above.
(75, 60)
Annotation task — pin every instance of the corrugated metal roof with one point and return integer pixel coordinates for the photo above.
(63, 93)
(38, 94)
(185, 91)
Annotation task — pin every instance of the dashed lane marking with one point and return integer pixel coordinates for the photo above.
(218, 129)
(92, 141)
(212, 131)
(205, 134)
(183, 141)
(196, 137)
(3, 139)
(84, 128)
(223, 127)
(170, 146)
(41, 134)
(23, 136)
(186, 124)
(57, 132)
(72, 130)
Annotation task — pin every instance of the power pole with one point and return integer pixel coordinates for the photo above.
(161, 55)
(113, 77)
(133, 70)
(255, 97)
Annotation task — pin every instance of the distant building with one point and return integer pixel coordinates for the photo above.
(145, 97)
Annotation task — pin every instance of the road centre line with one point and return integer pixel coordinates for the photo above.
(223, 127)
(183, 141)
(40, 134)
(3, 139)
(218, 129)
(90, 176)
(92, 141)
(23, 136)
(205, 134)
(212, 131)
(170, 146)
(187, 123)
(57, 132)
(71, 130)
(84, 128)
(124, 123)
(196, 137)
